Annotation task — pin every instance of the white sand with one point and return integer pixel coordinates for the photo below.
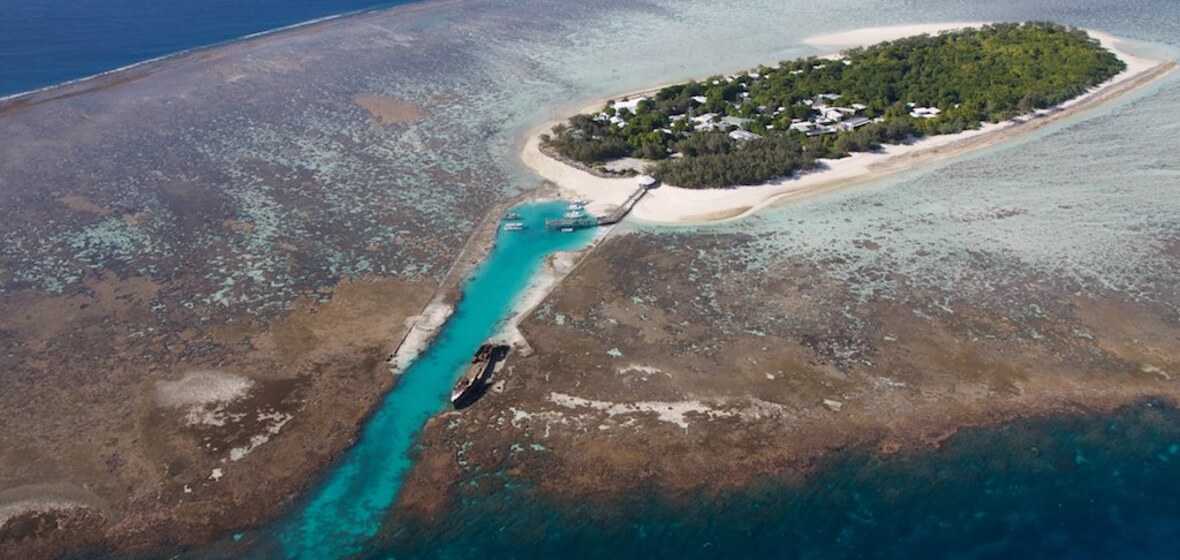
(423, 328)
(676, 412)
(871, 35)
(669, 204)
(275, 422)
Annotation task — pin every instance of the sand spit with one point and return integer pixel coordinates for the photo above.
(674, 205)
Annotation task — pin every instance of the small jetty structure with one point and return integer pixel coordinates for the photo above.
(577, 218)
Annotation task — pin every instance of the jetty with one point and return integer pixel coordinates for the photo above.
(646, 183)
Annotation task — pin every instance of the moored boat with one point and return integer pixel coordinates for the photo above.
(513, 226)
(512, 216)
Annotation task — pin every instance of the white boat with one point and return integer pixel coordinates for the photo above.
(513, 226)
(574, 214)
(566, 229)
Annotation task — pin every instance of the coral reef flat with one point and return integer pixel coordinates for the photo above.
(213, 258)
(207, 260)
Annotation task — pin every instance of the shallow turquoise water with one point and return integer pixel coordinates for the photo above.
(347, 508)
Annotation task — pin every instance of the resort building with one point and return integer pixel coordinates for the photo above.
(743, 135)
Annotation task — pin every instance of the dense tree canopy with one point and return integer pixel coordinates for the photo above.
(970, 76)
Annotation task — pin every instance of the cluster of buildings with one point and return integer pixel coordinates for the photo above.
(829, 118)
(827, 115)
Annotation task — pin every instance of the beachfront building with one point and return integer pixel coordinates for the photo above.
(707, 121)
(854, 123)
(826, 113)
(743, 135)
(727, 122)
(925, 112)
(631, 105)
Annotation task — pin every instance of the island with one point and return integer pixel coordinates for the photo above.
(809, 125)
(772, 122)
(213, 256)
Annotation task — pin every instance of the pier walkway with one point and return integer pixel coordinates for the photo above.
(623, 209)
(645, 184)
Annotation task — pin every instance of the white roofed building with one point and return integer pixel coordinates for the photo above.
(630, 105)
(925, 112)
(743, 135)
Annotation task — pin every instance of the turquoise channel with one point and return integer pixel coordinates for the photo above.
(347, 507)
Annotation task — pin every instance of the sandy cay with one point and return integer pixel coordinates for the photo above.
(674, 205)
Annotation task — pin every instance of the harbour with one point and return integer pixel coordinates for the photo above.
(346, 507)
(581, 219)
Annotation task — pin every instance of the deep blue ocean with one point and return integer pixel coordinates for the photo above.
(45, 42)
(1101, 487)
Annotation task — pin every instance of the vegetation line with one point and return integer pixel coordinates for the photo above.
(772, 122)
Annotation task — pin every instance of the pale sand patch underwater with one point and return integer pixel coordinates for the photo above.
(674, 205)
(47, 499)
(201, 387)
(387, 110)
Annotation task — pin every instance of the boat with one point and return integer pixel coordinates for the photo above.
(566, 229)
(483, 363)
(573, 215)
(513, 226)
(512, 216)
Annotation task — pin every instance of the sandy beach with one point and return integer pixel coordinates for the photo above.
(673, 205)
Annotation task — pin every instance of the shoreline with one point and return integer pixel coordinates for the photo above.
(797, 467)
(23, 95)
(143, 68)
(557, 267)
(670, 205)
